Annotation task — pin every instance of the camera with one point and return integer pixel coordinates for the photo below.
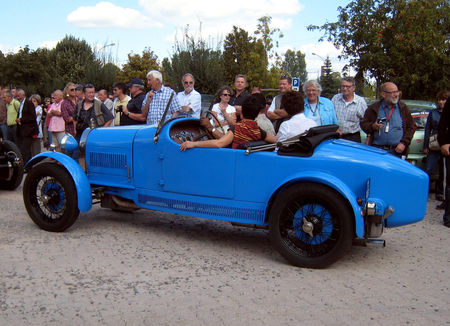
(381, 120)
(119, 109)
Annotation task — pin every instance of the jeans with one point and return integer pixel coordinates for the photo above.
(4, 131)
(12, 134)
(434, 158)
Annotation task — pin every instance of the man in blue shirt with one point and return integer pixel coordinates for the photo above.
(388, 122)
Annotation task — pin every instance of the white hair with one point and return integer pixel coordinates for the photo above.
(156, 75)
(314, 83)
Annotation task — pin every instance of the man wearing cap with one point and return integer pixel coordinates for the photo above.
(190, 99)
(79, 93)
(157, 99)
(132, 110)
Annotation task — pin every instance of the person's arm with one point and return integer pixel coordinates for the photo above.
(196, 105)
(270, 138)
(426, 137)
(215, 143)
(65, 113)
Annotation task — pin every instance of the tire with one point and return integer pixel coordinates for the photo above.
(50, 197)
(13, 155)
(316, 205)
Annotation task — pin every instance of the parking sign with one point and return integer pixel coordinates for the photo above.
(296, 84)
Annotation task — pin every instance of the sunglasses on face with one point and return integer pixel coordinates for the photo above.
(226, 94)
(189, 83)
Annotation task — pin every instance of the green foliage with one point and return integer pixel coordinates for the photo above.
(330, 81)
(267, 36)
(74, 60)
(244, 54)
(404, 41)
(28, 70)
(42, 71)
(193, 55)
(294, 65)
(138, 66)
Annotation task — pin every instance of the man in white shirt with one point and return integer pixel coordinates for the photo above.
(293, 104)
(190, 99)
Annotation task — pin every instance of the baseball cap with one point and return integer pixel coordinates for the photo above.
(136, 81)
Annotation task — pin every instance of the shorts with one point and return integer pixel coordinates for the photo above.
(56, 137)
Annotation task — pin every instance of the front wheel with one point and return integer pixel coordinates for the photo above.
(311, 225)
(50, 197)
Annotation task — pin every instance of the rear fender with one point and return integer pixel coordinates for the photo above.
(79, 177)
(336, 184)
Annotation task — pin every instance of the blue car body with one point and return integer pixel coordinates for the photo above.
(231, 185)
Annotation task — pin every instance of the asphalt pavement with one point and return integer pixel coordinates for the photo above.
(152, 268)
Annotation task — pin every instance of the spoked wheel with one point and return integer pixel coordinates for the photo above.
(311, 225)
(50, 197)
(12, 165)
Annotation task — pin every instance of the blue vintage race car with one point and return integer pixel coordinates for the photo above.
(316, 194)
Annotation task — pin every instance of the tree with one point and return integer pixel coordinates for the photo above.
(138, 66)
(244, 54)
(194, 55)
(31, 70)
(73, 58)
(330, 81)
(294, 65)
(267, 35)
(404, 41)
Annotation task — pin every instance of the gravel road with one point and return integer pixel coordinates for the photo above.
(151, 268)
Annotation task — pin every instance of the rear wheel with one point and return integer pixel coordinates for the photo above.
(50, 197)
(311, 225)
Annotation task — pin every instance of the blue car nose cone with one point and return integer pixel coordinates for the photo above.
(68, 143)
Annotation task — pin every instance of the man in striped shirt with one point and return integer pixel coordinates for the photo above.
(157, 99)
(350, 109)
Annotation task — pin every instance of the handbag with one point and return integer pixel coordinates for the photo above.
(433, 144)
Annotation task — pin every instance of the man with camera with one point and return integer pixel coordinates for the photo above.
(388, 122)
(134, 105)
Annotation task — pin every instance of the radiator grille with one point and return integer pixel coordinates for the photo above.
(108, 160)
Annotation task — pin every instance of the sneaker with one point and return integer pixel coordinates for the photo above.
(447, 224)
(441, 205)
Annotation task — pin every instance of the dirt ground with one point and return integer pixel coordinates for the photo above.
(151, 268)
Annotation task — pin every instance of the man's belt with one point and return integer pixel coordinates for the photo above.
(386, 147)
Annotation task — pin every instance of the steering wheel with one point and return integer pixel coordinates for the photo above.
(216, 122)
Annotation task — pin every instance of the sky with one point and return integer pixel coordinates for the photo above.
(120, 27)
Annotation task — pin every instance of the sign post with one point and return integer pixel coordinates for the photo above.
(296, 84)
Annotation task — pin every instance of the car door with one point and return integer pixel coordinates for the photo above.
(198, 171)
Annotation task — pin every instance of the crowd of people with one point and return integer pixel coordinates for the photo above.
(236, 117)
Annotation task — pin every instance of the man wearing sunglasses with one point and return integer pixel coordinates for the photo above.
(190, 99)
(388, 122)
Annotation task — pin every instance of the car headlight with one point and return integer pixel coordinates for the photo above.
(68, 143)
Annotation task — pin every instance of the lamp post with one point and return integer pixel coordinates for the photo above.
(105, 57)
(111, 44)
(322, 68)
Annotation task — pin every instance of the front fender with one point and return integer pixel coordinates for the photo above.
(79, 177)
(335, 183)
